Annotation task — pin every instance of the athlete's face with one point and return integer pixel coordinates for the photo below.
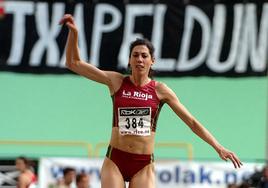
(83, 183)
(20, 165)
(140, 60)
(69, 177)
(265, 173)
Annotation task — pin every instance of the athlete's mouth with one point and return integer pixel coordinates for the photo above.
(140, 66)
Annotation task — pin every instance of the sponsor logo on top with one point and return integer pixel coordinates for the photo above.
(136, 95)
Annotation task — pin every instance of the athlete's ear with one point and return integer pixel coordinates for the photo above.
(128, 65)
(153, 60)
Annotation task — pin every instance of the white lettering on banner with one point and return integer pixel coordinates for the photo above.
(100, 27)
(78, 16)
(248, 39)
(8, 175)
(193, 14)
(219, 23)
(47, 41)
(19, 10)
(171, 174)
(247, 28)
(249, 43)
(157, 40)
(132, 11)
(158, 12)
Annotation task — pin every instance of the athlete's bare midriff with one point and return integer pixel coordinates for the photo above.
(131, 143)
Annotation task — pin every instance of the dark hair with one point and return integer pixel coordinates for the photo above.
(146, 43)
(80, 176)
(26, 161)
(67, 170)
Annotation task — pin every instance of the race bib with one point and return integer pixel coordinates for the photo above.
(134, 121)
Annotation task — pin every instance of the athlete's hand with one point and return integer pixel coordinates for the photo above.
(226, 154)
(68, 20)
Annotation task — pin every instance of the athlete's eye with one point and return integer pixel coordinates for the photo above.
(144, 55)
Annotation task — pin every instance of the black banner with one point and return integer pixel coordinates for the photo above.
(209, 39)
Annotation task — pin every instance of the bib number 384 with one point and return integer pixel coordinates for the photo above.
(134, 121)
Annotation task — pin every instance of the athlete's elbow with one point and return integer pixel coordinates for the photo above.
(71, 64)
(68, 64)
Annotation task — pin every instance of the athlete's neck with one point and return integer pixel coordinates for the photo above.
(139, 80)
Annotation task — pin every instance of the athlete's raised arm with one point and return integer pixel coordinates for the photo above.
(77, 65)
(168, 96)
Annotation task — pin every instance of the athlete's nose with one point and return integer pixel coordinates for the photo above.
(139, 59)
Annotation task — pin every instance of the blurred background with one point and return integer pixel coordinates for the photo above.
(213, 54)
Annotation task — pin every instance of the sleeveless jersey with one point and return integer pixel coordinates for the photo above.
(33, 183)
(136, 108)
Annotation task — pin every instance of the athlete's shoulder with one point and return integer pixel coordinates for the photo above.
(115, 75)
(160, 86)
(24, 178)
(115, 80)
(163, 91)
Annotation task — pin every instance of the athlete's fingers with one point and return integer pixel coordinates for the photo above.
(225, 155)
(66, 18)
(237, 160)
(233, 161)
(72, 27)
(224, 158)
